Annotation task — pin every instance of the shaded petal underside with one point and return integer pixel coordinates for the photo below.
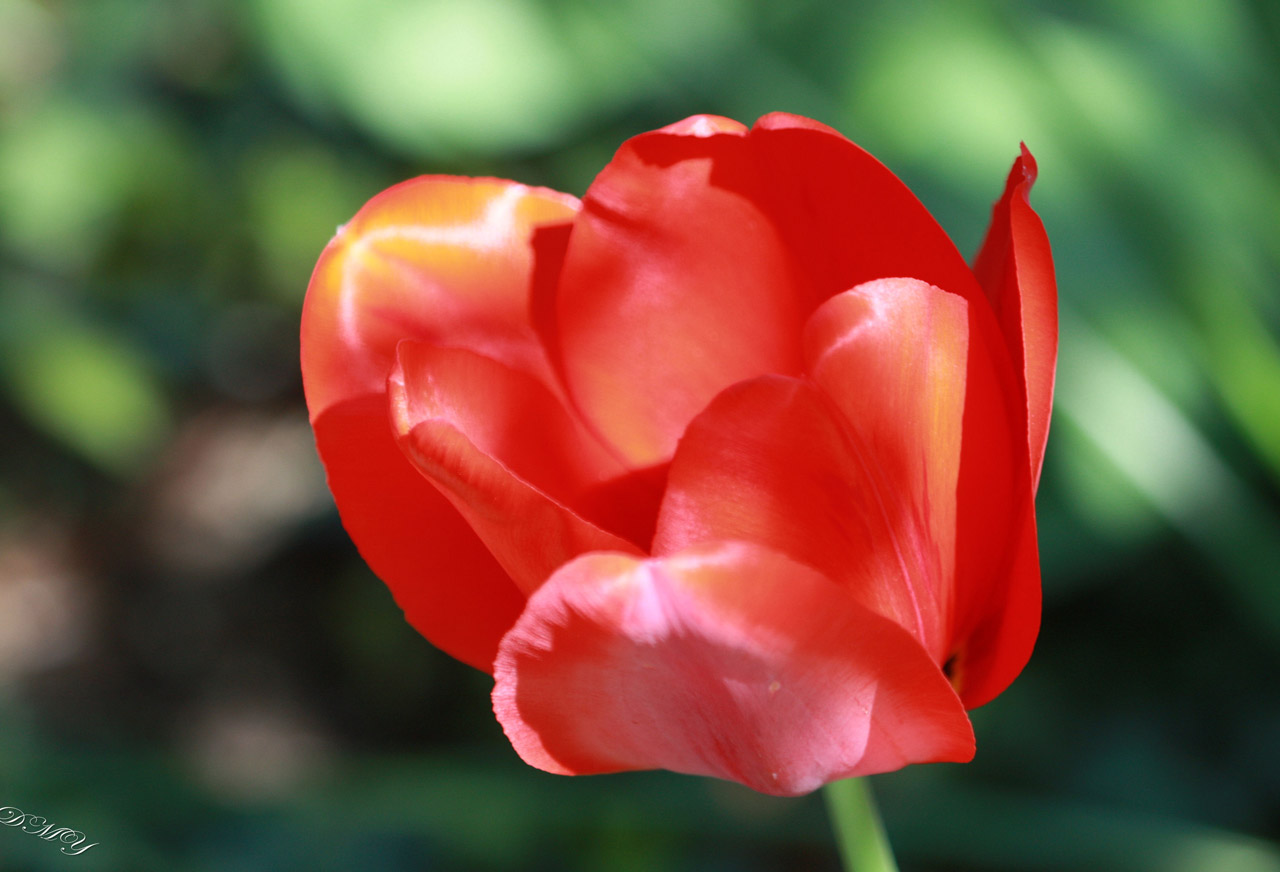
(412, 538)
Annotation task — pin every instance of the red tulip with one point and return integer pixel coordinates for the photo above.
(727, 469)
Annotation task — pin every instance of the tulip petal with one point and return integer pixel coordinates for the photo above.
(412, 538)
(925, 379)
(846, 217)
(433, 257)
(727, 660)
(892, 354)
(770, 461)
(829, 192)
(1015, 267)
(436, 259)
(993, 653)
(505, 452)
(675, 285)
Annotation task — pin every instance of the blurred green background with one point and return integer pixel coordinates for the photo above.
(197, 671)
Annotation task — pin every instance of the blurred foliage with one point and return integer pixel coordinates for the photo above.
(197, 671)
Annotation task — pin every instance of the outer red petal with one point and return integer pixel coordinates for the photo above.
(507, 455)
(1015, 267)
(728, 660)
(770, 461)
(674, 286)
(438, 259)
(412, 538)
(431, 258)
(846, 217)
(994, 651)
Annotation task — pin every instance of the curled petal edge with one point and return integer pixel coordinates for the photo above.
(529, 531)
(1015, 268)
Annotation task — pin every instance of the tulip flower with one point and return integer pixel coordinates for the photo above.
(726, 469)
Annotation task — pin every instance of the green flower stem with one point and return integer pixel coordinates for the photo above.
(859, 831)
